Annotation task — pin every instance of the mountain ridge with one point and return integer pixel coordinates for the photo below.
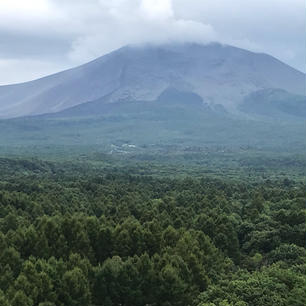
(144, 72)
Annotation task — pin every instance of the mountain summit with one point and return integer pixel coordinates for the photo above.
(219, 74)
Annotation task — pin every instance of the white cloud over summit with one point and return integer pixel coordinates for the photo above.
(38, 37)
(122, 22)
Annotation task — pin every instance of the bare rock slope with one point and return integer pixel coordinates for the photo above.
(220, 75)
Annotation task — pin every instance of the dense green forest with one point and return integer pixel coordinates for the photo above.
(152, 233)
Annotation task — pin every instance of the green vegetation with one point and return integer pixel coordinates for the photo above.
(144, 230)
(154, 124)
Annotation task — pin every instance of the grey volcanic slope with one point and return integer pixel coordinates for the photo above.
(276, 103)
(218, 74)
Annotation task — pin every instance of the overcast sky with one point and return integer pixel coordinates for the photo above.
(39, 37)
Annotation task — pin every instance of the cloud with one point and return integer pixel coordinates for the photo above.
(276, 27)
(134, 22)
(32, 16)
(27, 8)
(156, 9)
(55, 34)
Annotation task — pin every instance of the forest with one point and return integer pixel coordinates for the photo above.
(79, 234)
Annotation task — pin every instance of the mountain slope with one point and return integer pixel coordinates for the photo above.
(218, 74)
(275, 103)
(175, 119)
